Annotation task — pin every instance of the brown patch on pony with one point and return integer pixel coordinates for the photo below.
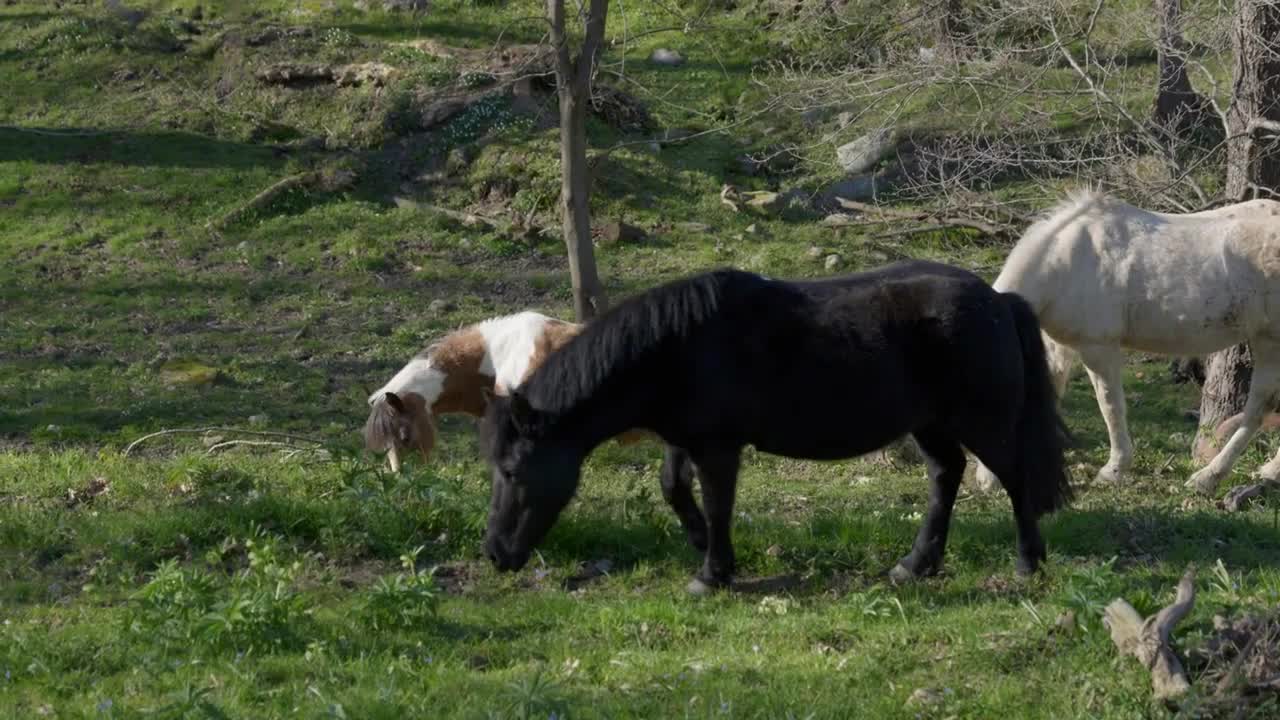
(407, 427)
(555, 334)
(459, 356)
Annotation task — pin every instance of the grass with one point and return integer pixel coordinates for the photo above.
(176, 582)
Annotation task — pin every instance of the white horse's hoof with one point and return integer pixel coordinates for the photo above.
(1109, 475)
(1203, 481)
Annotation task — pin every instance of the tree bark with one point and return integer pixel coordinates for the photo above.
(1253, 169)
(573, 85)
(1253, 118)
(1226, 385)
(1178, 108)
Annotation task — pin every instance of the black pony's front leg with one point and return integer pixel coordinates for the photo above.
(718, 476)
(677, 489)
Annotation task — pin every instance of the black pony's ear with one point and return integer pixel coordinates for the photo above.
(522, 414)
(396, 403)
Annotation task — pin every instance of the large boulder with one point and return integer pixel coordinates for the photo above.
(864, 153)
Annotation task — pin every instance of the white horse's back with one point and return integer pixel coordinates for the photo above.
(1101, 271)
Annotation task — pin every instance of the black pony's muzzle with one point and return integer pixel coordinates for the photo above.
(503, 559)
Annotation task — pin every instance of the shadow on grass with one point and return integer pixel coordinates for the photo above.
(70, 146)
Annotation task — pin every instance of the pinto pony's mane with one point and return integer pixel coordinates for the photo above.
(629, 331)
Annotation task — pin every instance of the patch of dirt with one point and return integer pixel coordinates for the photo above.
(454, 578)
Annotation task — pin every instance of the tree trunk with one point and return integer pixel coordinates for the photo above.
(1253, 118)
(1178, 108)
(575, 210)
(573, 84)
(1253, 169)
(1226, 385)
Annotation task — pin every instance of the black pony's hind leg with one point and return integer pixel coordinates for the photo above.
(1000, 459)
(945, 461)
(718, 476)
(677, 489)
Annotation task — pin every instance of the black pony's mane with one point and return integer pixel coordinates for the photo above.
(626, 333)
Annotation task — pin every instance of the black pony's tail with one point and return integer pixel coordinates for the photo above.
(1042, 436)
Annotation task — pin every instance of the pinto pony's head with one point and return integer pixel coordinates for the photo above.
(399, 423)
(535, 475)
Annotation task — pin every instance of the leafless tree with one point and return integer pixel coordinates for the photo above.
(574, 75)
(1253, 169)
(1178, 108)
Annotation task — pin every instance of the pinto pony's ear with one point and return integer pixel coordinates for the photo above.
(522, 414)
(396, 403)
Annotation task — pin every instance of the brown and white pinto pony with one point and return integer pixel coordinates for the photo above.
(453, 375)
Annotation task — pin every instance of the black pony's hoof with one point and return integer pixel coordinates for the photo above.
(1026, 569)
(700, 587)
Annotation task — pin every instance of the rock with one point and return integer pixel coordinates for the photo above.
(859, 187)
(863, 153)
(815, 252)
(832, 261)
(669, 58)
(774, 551)
(441, 306)
(845, 119)
(616, 232)
(764, 200)
(928, 696)
(693, 227)
(752, 229)
(259, 420)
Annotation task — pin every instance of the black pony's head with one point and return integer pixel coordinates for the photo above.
(535, 475)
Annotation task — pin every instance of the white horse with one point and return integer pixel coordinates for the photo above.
(1104, 276)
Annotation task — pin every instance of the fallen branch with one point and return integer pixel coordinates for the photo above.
(264, 198)
(1148, 640)
(204, 430)
(259, 443)
(889, 215)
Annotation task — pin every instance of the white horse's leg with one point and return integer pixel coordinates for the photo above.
(1105, 366)
(1262, 392)
(1062, 360)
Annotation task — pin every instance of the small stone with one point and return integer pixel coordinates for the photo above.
(774, 551)
(752, 229)
(53, 428)
(832, 261)
(845, 119)
(211, 440)
(617, 232)
(243, 246)
(669, 58)
(814, 252)
(441, 306)
(926, 697)
(259, 420)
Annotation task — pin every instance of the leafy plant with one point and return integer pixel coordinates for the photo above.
(408, 599)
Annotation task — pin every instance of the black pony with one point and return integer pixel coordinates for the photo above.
(824, 369)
